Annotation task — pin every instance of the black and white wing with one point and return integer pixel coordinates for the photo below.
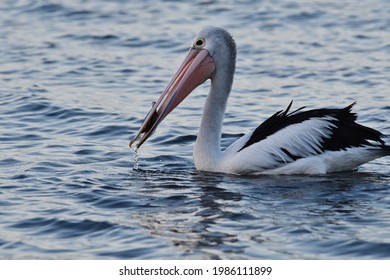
(313, 141)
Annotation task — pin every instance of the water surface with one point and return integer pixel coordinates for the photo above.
(77, 78)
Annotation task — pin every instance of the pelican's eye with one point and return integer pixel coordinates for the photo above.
(199, 43)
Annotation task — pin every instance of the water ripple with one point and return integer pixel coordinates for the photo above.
(77, 79)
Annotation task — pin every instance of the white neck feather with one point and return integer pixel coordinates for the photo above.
(207, 150)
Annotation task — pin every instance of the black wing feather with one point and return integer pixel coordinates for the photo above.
(346, 132)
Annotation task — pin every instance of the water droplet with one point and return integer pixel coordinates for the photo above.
(135, 156)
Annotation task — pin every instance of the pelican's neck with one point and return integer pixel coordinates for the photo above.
(207, 150)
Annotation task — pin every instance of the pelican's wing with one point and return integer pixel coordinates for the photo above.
(288, 137)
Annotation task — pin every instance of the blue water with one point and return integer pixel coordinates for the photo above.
(77, 78)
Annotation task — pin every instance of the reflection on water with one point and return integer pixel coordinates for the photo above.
(77, 79)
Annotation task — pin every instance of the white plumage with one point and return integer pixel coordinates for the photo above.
(300, 140)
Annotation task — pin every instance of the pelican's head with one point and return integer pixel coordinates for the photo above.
(213, 52)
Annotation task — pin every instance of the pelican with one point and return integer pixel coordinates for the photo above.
(314, 141)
